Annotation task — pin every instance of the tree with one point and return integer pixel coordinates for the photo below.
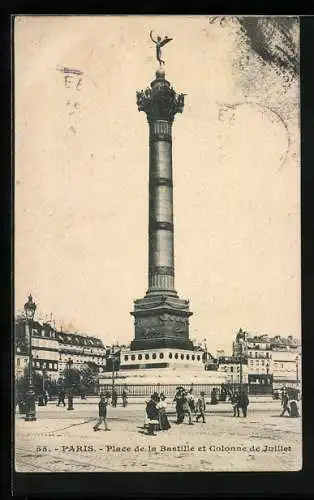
(89, 374)
(71, 377)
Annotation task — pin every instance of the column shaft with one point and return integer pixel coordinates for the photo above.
(161, 244)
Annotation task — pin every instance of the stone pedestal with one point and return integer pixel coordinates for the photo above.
(161, 321)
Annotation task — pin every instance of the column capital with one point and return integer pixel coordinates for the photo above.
(160, 101)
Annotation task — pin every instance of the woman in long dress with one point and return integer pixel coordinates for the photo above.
(163, 419)
(152, 415)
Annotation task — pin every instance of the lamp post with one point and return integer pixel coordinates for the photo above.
(44, 372)
(267, 372)
(297, 368)
(241, 367)
(205, 350)
(113, 366)
(30, 308)
(70, 394)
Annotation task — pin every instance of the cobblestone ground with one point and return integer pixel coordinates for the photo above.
(64, 441)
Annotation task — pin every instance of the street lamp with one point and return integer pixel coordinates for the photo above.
(44, 373)
(113, 366)
(70, 393)
(30, 308)
(297, 368)
(205, 350)
(241, 367)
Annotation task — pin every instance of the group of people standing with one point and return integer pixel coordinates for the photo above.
(114, 398)
(186, 404)
(156, 414)
(289, 405)
(240, 401)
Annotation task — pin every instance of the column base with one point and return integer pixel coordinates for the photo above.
(161, 320)
(142, 344)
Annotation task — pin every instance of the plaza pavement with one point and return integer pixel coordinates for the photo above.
(64, 441)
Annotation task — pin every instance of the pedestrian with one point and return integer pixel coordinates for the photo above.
(179, 405)
(201, 406)
(124, 398)
(114, 398)
(223, 393)
(162, 409)
(102, 412)
(294, 410)
(283, 394)
(243, 402)
(156, 397)
(213, 397)
(235, 404)
(191, 401)
(61, 397)
(152, 415)
(285, 404)
(46, 397)
(186, 406)
(70, 400)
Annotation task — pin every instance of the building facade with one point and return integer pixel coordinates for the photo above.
(54, 351)
(277, 356)
(231, 366)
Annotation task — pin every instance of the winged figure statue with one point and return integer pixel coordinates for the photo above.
(159, 42)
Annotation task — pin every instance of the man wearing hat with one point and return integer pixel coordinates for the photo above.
(201, 406)
(102, 411)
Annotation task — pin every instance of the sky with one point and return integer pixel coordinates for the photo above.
(81, 177)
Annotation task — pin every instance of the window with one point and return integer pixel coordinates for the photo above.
(126, 358)
(139, 356)
(231, 369)
(176, 355)
(55, 366)
(154, 355)
(161, 355)
(146, 356)
(263, 362)
(257, 362)
(182, 356)
(198, 357)
(251, 362)
(18, 361)
(193, 357)
(187, 356)
(133, 357)
(170, 355)
(238, 368)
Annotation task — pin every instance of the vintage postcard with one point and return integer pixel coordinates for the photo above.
(157, 244)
